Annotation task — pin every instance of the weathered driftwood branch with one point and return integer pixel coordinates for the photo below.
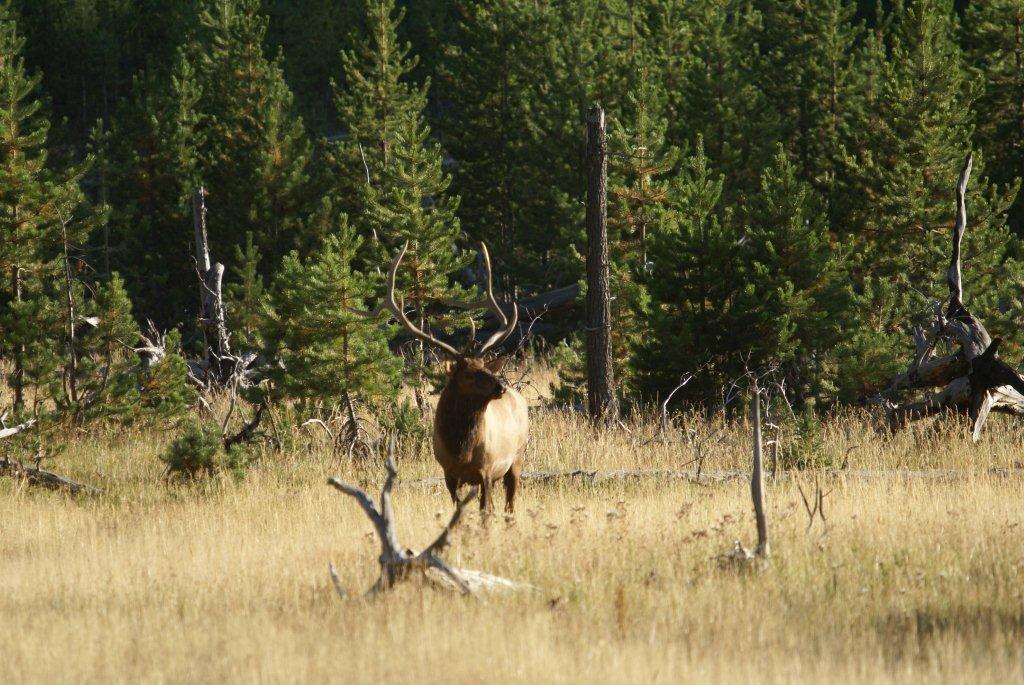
(698, 477)
(973, 380)
(398, 562)
(14, 430)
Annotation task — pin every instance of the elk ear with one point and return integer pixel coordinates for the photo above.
(497, 364)
(448, 365)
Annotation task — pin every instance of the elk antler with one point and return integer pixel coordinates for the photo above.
(397, 307)
(491, 303)
(509, 325)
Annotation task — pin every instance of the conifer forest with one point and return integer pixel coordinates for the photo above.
(714, 309)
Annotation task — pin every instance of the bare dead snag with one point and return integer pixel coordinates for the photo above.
(817, 509)
(601, 401)
(398, 563)
(973, 380)
(248, 431)
(757, 478)
(220, 364)
(152, 347)
(353, 434)
(740, 554)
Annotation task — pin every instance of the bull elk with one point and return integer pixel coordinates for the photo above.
(481, 424)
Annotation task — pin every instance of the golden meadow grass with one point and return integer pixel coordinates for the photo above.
(227, 580)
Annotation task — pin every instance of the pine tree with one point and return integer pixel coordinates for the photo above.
(149, 159)
(375, 103)
(641, 163)
(503, 160)
(814, 83)
(407, 199)
(695, 286)
(324, 349)
(164, 390)
(666, 35)
(310, 32)
(245, 296)
(591, 50)
(916, 135)
(720, 98)
(522, 76)
(99, 364)
(89, 50)
(795, 299)
(40, 211)
(412, 205)
(994, 39)
(255, 152)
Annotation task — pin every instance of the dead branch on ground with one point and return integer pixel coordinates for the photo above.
(398, 563)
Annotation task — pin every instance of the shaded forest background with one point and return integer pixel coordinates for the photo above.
(782, 178)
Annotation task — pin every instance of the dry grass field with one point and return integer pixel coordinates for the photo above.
(911, 577)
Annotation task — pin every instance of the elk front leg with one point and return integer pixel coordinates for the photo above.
(485, 492)
(452, 483)
(511, 481)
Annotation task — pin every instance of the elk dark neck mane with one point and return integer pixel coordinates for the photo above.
(459, 419)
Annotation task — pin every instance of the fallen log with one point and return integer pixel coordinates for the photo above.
(14, 430)
(34, 475)
(596, 477)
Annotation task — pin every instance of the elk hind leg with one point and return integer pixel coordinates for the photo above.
(511, 481)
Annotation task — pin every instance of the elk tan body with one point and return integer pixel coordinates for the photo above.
(481, 425)
(480, 429)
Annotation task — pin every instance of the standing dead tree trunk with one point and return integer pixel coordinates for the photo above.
(757, 476)
(71, 367)
(740, 554)
(974, 379)
(220, 363)
(398, 562)
(600, 379)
